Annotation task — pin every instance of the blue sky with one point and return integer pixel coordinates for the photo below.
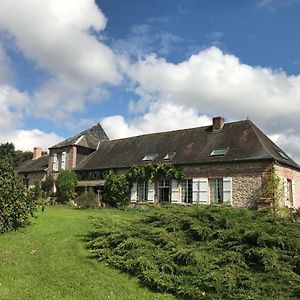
(140, 66)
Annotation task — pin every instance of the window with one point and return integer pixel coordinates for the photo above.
(150, 157)
(170, 155)
(55, 163)
(164, 190)
(200, 190)
(219, 152)
(142, 191)
(220, 190)
(187, 191)
(216, 190)
(289, 192)
(63, 160)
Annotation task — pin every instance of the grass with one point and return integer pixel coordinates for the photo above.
(49, 260)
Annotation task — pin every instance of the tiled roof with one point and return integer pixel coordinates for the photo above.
(243, 140)
(34, 165)
(88, 138)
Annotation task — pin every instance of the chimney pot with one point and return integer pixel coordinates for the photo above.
(218, 123)
(37, 152)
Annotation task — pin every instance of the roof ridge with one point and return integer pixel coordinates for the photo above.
(170, 131)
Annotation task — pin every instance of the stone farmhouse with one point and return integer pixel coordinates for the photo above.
(224, 163)
(62, 156)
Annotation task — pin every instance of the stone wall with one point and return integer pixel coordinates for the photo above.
(246, 190)
(34, 177)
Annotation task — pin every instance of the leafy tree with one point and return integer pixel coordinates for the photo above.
(116, 190)
(22, 156)
(7, 152)
(16, 205)
(65, 184)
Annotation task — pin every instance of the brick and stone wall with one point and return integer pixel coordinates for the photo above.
(246, 179)
(291, 174)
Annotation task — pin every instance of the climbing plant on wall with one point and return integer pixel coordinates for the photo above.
(272, 187)
(155, 172)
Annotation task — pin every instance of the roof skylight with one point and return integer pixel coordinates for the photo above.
(150, 157)
(283, 155)
(170, 155)
(219, 152)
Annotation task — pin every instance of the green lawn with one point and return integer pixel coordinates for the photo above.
(48, 260)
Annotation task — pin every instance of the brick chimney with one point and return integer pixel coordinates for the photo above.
(218, 123)
(37, 152)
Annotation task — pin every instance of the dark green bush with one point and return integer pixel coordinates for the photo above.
(88, 199)
(206, 252)
(47, 185)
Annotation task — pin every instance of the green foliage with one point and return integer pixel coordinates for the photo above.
(117, 187)
(65, 184)
(7, 152)
(16, 205)
(155, 172)
(204, 252)
(116, 190)
(272, 187)
(88, 199)
(22, 156)
(47, 185)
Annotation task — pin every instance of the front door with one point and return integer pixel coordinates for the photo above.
(164, 191)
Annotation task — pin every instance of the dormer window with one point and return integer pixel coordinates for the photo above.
(283, 155)
(150, 157)
(170, 155)
(219, 152)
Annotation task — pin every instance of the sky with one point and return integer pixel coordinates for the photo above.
(141, 66)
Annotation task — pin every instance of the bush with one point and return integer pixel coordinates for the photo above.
(47, 185)
(116, 190)
(16, 204)
(88, 199)
(205, 252)
(65, 184)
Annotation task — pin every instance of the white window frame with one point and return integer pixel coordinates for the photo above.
(63, 160)
(55, 162)
(150, 191)
(133, 192)
(200, 190)
(175, 191)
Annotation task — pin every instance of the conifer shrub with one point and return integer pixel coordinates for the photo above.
(205, 252)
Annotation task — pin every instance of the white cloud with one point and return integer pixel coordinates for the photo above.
(62, 38)
(275, 4)
(212, 82)
(158, 118)
(12, 107)
(27, 139)
(218, 82)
